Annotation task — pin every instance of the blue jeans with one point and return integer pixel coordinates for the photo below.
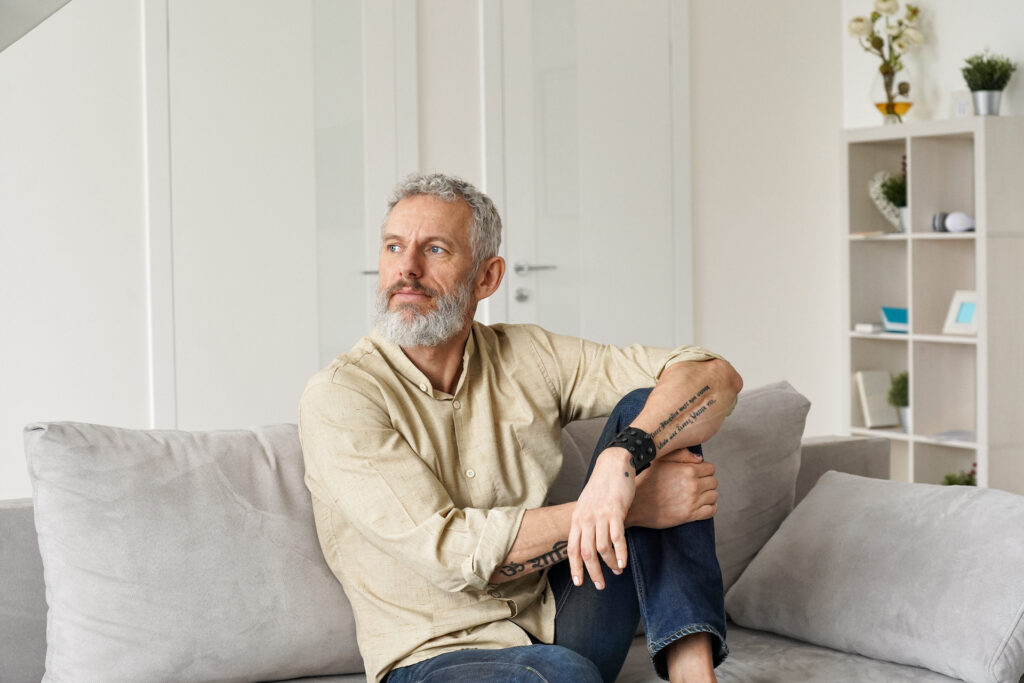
(672, 582)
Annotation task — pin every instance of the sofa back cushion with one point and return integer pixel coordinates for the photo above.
(756, 455)
(172, 556)
(916, 574)
(22, 602)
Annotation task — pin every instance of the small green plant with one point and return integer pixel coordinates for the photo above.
(962, 478)
(986, 71)
(895, 190)
(899, 390)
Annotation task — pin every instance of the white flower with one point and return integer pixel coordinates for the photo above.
(860, 27)
(893, 30)
(901, 43)
(889, 7)
(913, 36)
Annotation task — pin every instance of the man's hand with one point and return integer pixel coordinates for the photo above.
(599, 519)
(679, 487)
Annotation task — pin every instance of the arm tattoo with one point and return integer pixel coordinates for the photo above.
(694, 415)
(554, 556)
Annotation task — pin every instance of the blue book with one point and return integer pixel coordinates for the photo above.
(894, 319)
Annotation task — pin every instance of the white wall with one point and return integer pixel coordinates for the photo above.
(72, 263)
(766, 112)
(73, 250)
(244, 212)
(953, 30)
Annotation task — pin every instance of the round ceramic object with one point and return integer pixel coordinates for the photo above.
(958, 221)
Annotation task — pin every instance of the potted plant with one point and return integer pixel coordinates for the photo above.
(887, 36)
(986, 75)
(899, 396)
(962, 478)
(894, 189)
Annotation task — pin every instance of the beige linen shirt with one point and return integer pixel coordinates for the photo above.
(418, 494)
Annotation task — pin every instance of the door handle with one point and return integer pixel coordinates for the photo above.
(524, 268)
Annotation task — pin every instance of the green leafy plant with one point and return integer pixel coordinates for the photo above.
(962, 478)
(899, 390)
(986, 71)
(895, 190)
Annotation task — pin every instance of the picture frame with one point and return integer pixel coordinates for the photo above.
(962, 317)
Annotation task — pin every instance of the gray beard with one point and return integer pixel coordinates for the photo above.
(424, 329)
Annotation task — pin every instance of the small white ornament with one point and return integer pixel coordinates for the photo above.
(958, 221)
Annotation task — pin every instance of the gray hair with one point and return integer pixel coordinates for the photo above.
(485, 233)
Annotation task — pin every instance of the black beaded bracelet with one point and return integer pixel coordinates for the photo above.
(639, 444)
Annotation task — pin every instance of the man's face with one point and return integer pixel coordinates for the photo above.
(426, 261)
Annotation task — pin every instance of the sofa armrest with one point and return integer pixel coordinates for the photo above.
(22, 595)
(867, 457)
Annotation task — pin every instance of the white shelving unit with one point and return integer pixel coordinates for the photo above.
(970, 384)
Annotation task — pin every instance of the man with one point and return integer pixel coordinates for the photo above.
(430, 448)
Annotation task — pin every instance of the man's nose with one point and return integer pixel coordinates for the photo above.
(410, 265)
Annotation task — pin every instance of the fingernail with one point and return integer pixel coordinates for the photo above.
(575, 580)
(622, 564)
(617, 572)
(599, 586)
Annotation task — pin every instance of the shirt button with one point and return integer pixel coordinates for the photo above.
(456, 404)
(423, 387)
(470, 473)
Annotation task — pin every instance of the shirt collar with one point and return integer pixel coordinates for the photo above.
(397, 359)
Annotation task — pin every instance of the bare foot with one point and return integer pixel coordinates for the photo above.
(689, 660)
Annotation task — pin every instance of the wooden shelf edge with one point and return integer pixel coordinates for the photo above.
(884, 433)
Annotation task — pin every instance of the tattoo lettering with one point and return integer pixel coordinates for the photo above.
(511, 569)
(686, 423)
(553, 556)
(679, 411)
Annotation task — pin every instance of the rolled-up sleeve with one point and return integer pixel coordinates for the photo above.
(590, 378)
(359, 465)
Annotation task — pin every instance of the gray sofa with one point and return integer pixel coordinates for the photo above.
(175, 556)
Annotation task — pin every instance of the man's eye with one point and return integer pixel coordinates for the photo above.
(436, 250)
(393, 248)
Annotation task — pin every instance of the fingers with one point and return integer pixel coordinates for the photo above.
(590, 561)
(618, 537)
(575, 559)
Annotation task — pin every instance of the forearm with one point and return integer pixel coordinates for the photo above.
(540, 542)
(689, 404)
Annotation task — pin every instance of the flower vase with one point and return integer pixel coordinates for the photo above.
(890, 92)
(986, 102)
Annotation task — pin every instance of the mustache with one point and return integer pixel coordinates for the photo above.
(410, 284)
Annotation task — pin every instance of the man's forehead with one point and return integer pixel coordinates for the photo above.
(427, 212)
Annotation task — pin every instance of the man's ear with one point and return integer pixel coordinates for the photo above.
(489, 277)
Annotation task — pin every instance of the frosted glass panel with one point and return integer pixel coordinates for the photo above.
(341, 223)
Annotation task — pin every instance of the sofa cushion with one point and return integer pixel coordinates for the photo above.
(22, 599)
(756, 455)
(173, 556)
(917, 574)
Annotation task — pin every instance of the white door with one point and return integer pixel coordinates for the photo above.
(595, 151)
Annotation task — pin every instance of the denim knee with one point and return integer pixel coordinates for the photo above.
(630, 406)
(558, 663)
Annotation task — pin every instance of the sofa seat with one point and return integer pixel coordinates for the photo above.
(761, 657)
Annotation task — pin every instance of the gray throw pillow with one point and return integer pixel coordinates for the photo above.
(756, 455)
(177, 556)
(916, 574)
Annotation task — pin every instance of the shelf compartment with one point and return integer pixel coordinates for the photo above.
(874, 354)
(940, 268)
(943, 388)
(932, 462)
(940, 178)
(878, 277)
(865, 160)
